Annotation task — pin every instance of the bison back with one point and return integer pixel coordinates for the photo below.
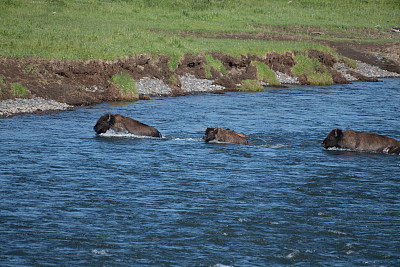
(132, 126)
(364, 141)
(231, 137)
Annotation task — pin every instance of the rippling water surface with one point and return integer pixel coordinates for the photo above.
(71, 198)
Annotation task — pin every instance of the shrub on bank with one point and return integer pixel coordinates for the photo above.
(208, 71)
(320, 79)
(127, 85)
(308, 67)
(216, 64)
(172, 79)
(173, 64)
(305, 65)
(2, 84)
(251, 86)
(18, 90)
(349, 62)
(265, 74)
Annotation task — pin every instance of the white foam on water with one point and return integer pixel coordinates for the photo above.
(116, 134)
(187, 139)
(221, 142)
(275, 146)
(337, 232)
(322, 214)
(112, 133)
(101, 252)
(338, 149)
(292, 254)
(217, 142)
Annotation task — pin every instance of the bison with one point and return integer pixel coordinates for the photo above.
(121, 123)
(225, 135)
(361, 141)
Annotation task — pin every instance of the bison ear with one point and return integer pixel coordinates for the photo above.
(338, 133)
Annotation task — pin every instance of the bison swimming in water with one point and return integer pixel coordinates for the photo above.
(121, 123)
(361, 141)
(222, 135)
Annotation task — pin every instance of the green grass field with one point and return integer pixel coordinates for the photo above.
(108, 29)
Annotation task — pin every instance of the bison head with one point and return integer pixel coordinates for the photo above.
(210, 134)
(334, 139)
(104, 123)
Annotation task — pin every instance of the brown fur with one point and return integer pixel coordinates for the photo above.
(222, 135)
(361, 141)
(121, 123)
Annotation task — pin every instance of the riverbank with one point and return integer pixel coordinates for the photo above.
(189, 84)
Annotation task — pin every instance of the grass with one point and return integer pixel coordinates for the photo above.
(2, 84)
(31, 69)
(172, 79)
(208, 71)
(18, 90)
(305, 65)
(265, 74)
(173, 63)
(127, 85)
(251, 86)
(320, 79)
(308, 67)
(216, 64)
(349, 62)
(108, 29)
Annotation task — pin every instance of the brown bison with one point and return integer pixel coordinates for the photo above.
(121, 123)
(361, 141)
(225, 135)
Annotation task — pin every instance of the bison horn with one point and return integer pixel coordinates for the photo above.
(336, 133)
(109, 118)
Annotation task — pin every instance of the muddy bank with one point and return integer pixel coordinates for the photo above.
(80, 83)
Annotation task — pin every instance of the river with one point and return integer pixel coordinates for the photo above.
(71, 198)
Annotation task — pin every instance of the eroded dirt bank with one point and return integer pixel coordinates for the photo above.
(89, 82)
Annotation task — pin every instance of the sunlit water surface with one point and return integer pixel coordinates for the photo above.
(71, 198)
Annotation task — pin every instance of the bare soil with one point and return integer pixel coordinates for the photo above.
(89, 82)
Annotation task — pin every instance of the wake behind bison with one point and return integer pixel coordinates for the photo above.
(121, 123)
(361, 141)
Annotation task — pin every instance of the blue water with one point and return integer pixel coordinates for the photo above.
(71, 198)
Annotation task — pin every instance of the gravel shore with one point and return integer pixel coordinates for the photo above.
(190, 85)
(364, 69)
(33, 105)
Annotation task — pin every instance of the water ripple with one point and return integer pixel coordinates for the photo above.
(69, 197)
